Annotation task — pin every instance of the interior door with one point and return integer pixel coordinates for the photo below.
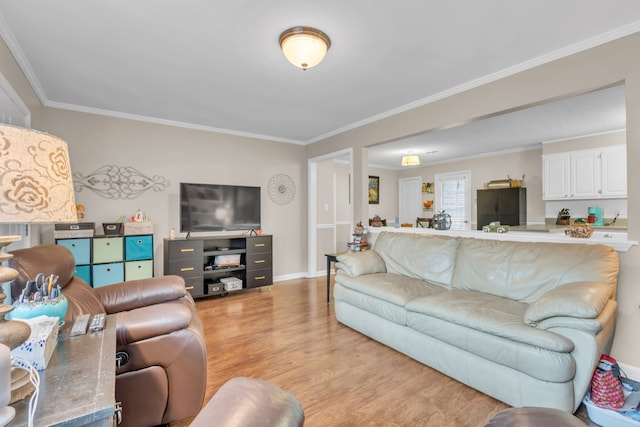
(453, 196)
(410, 199)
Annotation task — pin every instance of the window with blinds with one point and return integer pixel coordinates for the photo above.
(453, 196)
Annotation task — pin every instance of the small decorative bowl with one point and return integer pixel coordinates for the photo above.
(56, 307)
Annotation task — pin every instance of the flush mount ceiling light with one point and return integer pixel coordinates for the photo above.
(410, 160)
(304, 47)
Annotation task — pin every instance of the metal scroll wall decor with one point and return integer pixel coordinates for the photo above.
(119, 182)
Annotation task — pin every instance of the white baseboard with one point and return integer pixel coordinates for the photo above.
(291, 276)
(320, 273)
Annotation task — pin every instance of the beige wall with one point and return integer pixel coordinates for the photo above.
(333, 209)
(594, 68)
(485, 169)
(586, 142)
(183, 155)
(179, 154)
(388, 206)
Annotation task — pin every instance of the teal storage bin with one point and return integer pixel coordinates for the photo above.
(84, 272)
(138, 247)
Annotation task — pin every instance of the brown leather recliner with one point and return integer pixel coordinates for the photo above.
(157, 326)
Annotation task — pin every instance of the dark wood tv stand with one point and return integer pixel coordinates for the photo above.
(194, 260)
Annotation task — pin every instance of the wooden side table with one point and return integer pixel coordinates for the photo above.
(78, 386)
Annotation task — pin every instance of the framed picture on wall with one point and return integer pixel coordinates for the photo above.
(374, 190)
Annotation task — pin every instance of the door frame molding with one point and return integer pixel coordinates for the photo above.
(312, 205)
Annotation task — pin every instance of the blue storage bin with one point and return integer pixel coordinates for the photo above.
(80, 248)
(107, 274)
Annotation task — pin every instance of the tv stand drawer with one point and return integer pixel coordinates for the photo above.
(259, 278)
(258, 244)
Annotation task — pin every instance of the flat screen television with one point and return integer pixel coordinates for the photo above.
(214, 207)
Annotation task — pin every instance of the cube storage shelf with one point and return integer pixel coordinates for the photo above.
(195, 260)
(104, 260)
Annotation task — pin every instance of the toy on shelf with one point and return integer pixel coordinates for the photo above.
(495, 227)
(80, 210)
(359, 242)
(139, 216)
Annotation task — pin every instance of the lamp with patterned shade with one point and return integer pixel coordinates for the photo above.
(35, 187)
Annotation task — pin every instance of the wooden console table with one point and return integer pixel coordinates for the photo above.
(78, 386)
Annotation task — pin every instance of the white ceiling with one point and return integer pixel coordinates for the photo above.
(216, 65)
(596, 112)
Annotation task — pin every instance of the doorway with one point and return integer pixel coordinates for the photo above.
(410, 199)
(330, 207)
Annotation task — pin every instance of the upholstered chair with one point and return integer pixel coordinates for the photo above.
(250, 402)
(160, 342)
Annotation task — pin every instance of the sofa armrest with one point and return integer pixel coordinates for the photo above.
(582, 300)
(250, 402)
(140, 293)
(358, 263)
(592, 326)
(151, 321)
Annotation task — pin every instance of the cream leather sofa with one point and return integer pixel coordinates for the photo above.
(523, 322)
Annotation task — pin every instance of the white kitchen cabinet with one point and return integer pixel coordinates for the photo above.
(555, 173)
(585, 174)
(614, 172)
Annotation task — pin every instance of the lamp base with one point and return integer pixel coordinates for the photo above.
(13, 332)
(21, 385)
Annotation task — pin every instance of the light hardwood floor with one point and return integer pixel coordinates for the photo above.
(290, 336)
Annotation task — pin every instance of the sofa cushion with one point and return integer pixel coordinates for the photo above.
(359, 263)
(524, 271)
(492, 328)
(540, 363)
(427, 257)
(383, 294)
(583, 300)
(487, 313)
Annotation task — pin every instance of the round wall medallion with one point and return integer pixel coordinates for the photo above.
(281, 189)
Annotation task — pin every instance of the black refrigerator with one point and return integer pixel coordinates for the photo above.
(507, 205)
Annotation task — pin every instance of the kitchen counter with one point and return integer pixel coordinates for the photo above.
(617, 239)
(554, 228)
(539, 228)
